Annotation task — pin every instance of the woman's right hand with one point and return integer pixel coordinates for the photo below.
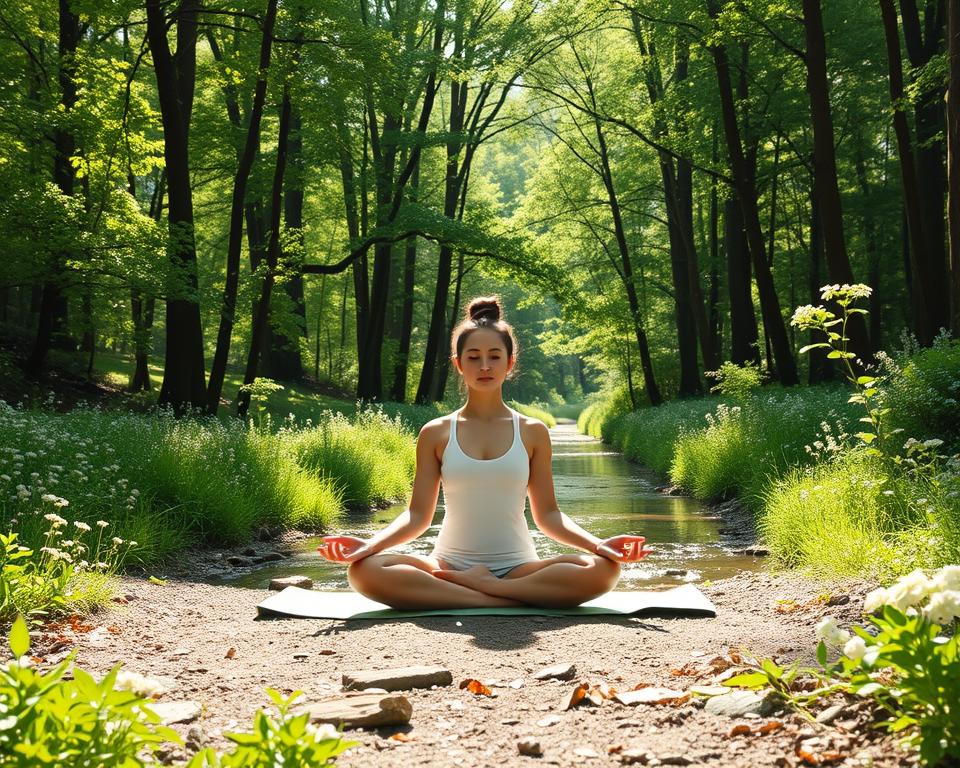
(343, 549)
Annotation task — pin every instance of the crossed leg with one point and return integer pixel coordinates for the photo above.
(564, 581)
(409, 582)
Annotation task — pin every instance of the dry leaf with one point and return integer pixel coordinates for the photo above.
(773, 725)
(113, 630)
(807, 757)
(739, 730)
(575, 697)
(720, 664)
(77, 624)
(735, 657)
(641, 686)
(401, 737)
(475, 687)
(231, 652)
(327, 652)
(37, 659)
(615, 749)
(687, 670)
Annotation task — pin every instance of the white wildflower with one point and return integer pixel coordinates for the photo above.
(875, 600)
(102, 523)
(947, 577)
(855, 648)
(81, 526)
(909, 590)
(322, 732)
(117, 541)
(55, 500)
(830, 633)
(943, 607)
(139, 684)
(54, 518)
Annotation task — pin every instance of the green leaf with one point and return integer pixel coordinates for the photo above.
(19, 637)
(155, 580)
(869, 689)
(865, 379)
(822, 653)
(773, 671)
(752, 680)
(813, 346)
(867, 437)
(835, 355)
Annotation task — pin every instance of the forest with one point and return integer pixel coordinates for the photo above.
(295, 189)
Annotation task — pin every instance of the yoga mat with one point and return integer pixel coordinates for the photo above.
(294, 602)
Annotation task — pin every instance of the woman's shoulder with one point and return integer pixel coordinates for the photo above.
(532, 428)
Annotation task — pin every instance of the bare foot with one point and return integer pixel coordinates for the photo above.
(478, 578)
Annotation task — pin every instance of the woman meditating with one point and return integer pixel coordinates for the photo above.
(488, 458)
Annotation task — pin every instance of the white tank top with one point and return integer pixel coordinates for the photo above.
(483, 521)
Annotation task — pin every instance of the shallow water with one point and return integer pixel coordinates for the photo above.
(601, 490)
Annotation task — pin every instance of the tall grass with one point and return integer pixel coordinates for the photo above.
(168, 482)
(534, 411)
(369, 460)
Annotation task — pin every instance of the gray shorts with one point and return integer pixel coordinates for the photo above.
(498, 572)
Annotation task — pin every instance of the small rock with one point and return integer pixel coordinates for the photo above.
(838, 599)
(301, 656)
(399, 679)
(518, 683)
(676, 572)
(529, 746)
(176, 711)
(752, 552)
(249, 552)
(361, 709)
(830, 714)
(636, 757)
(546, 722)
(509, 721)
(739, 703)
(269, 557)
(586, 752)
(236, 561)
(565, 671)
(675, 760)
(304, 582)
(196, 738)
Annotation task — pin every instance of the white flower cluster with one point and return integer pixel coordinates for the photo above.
(809, 316)
(845, 291)
(906, 594)
(322, 732)
(139, 684)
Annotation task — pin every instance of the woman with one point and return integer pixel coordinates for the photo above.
(489, 458)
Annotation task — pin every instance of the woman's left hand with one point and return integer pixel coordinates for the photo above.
(625, 548)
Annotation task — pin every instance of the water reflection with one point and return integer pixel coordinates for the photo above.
(601, 490)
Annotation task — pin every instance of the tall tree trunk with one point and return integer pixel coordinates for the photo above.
(262, 316)
(821, 368)
(746, 195)
(52, 302)
(399, 390)
(743, 320)
(183, 377)
(872, 246)
(443, 365)
(237, 209)
(284, 361)
(825, 168)
(953, 164)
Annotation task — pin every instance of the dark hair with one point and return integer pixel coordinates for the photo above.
(482, 312)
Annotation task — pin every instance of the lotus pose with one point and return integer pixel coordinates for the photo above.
(488, 458)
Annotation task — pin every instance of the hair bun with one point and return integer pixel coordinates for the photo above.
(484, 308)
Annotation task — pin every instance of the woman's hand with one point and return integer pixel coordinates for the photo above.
(343, 549)
(625, 548)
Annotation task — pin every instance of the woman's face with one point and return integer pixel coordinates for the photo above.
(484, 363)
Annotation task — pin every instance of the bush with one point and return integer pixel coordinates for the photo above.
(534, 411)
(922, 390)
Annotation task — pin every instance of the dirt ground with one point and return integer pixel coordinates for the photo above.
(183, 630)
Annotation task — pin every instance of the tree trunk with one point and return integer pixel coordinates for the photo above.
(746, 195)
(825, 168)
(218, 368)
(52, 303)
(183, 377)
(953, 163)
(743, 320)
(262, 316)
(821, 368)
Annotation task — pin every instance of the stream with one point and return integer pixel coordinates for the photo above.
(600, 489)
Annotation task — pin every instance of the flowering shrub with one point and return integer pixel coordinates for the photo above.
(904, 662)
(290, 740)
(65, 572)
(736, 381)
(47, 720)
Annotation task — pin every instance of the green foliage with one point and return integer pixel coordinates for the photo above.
(738, 382)
(288, 740)
(50, 721)
(922, 390)
(369, 460)
(535, 411)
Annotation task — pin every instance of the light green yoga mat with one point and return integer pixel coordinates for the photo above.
(294, 602)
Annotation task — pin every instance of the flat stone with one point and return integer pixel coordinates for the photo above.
(529, 746)
(237, 561)
(269, 557)
(249, 552)
(674, 759)
(840, 598)
(399, 679)
(361, 710)
(831, 713)
(752, 552)
(565, 671)
(676, 572)
(176, 711)
(304, 582)
(635, 757)
(740, 703)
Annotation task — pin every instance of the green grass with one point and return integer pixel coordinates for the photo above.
(534, 412)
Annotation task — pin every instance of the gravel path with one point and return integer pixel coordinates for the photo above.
(184, 631)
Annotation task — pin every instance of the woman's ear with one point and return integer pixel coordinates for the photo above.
(456, 363)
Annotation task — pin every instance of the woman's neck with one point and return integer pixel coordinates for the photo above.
(485, 406)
